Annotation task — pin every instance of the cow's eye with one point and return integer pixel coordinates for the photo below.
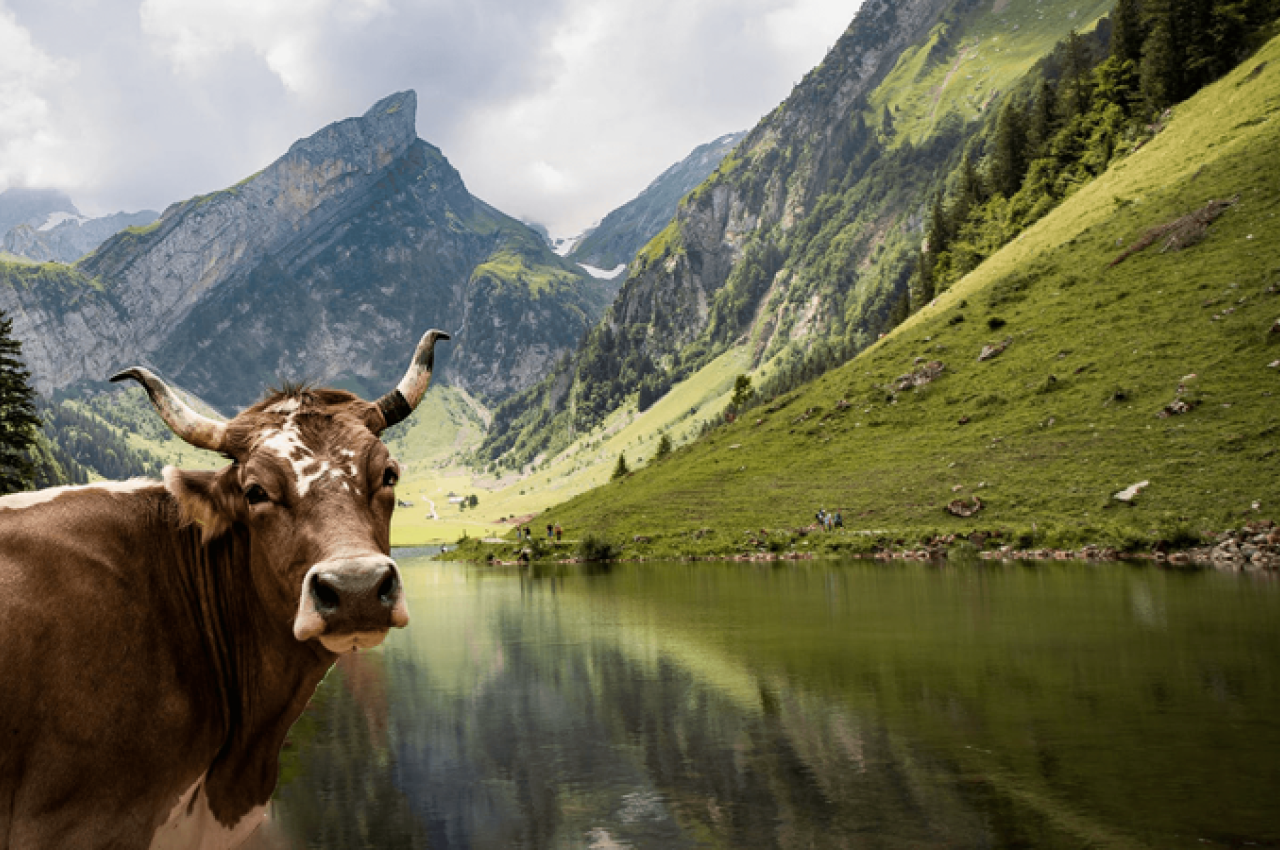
(390, 477)
(255, 495)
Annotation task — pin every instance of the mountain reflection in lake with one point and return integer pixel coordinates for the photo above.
(810, 705)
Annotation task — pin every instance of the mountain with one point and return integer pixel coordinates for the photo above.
(624, 231)
(64, 238)
(326, 265)
(1128, 341)
(805, 237)
(33, 207)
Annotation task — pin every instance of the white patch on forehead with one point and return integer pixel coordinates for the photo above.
(18, 501)
(286, 443)
(305, 479)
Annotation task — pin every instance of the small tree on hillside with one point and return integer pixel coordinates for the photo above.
(742, 392)
(18, 419)
(664, 447)
(620, 469)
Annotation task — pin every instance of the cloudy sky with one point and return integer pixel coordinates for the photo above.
(555, 111)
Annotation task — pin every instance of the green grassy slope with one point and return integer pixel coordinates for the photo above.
(1067, 415)
(433, 447)
(971, 57)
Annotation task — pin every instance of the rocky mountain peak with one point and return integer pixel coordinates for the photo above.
(325, 266)
(368, 143)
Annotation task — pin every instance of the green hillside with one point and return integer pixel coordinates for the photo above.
(1069, 414)
(806, 239)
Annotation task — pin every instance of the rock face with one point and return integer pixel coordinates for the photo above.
(327, 265)
(625, 230)
(70, 239)
(788, 160)
(804, 240)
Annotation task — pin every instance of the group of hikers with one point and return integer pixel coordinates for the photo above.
(829, 521)
(554, 532)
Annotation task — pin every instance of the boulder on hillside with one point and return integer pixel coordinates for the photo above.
(994, 349)
(963, 508)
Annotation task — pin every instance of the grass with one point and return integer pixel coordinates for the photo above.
(984, 53)
(584, 465)
(508, 267)
(1067, 415)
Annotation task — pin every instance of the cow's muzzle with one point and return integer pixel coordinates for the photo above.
(351, 603)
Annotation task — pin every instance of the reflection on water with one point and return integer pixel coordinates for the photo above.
(840, 704)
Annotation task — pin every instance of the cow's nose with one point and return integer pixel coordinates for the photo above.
(351, 595)
(376, 585)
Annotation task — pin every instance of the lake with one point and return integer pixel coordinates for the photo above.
(804, 704)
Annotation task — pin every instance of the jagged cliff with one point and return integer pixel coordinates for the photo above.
(327, 265)
(625, 230)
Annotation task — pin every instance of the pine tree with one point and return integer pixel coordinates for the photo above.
(1128, 31)
(664, 447)
(742, 392)
(18, 419)
(1077, 79)
(970, 193)
(1009, 154)
(1162, 58)
(1043, 119)
(620, 469)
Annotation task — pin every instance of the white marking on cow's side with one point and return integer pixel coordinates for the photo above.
(193, 827)
(18, 501)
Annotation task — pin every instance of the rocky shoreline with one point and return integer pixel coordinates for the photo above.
(1255, 546)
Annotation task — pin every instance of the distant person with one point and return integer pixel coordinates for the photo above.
(559, 531)
(839, 520)
(550, 531)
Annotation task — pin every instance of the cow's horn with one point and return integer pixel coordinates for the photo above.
(200, 431)
(396, 405)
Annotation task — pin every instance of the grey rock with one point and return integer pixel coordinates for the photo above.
(325, 266)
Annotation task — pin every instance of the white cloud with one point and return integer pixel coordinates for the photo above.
(286, 34)
(556, 110)
(28, 126)
(634, 87)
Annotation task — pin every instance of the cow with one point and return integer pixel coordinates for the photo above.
(159, 638)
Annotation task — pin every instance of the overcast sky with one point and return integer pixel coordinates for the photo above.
(555, 111)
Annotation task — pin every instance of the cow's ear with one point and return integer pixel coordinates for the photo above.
(203, 499)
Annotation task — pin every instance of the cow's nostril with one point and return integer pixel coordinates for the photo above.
(325, 595)
(387, 589)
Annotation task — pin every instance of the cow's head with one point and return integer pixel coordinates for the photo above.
(315, 488)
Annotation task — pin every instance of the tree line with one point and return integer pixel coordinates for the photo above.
(1097, 97)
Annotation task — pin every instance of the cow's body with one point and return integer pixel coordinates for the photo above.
(158, 639)
(165, 684)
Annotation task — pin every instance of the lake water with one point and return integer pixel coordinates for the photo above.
(819, 704)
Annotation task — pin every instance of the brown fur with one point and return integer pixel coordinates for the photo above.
(147, 635)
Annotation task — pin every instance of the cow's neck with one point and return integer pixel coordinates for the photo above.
(264, 676)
